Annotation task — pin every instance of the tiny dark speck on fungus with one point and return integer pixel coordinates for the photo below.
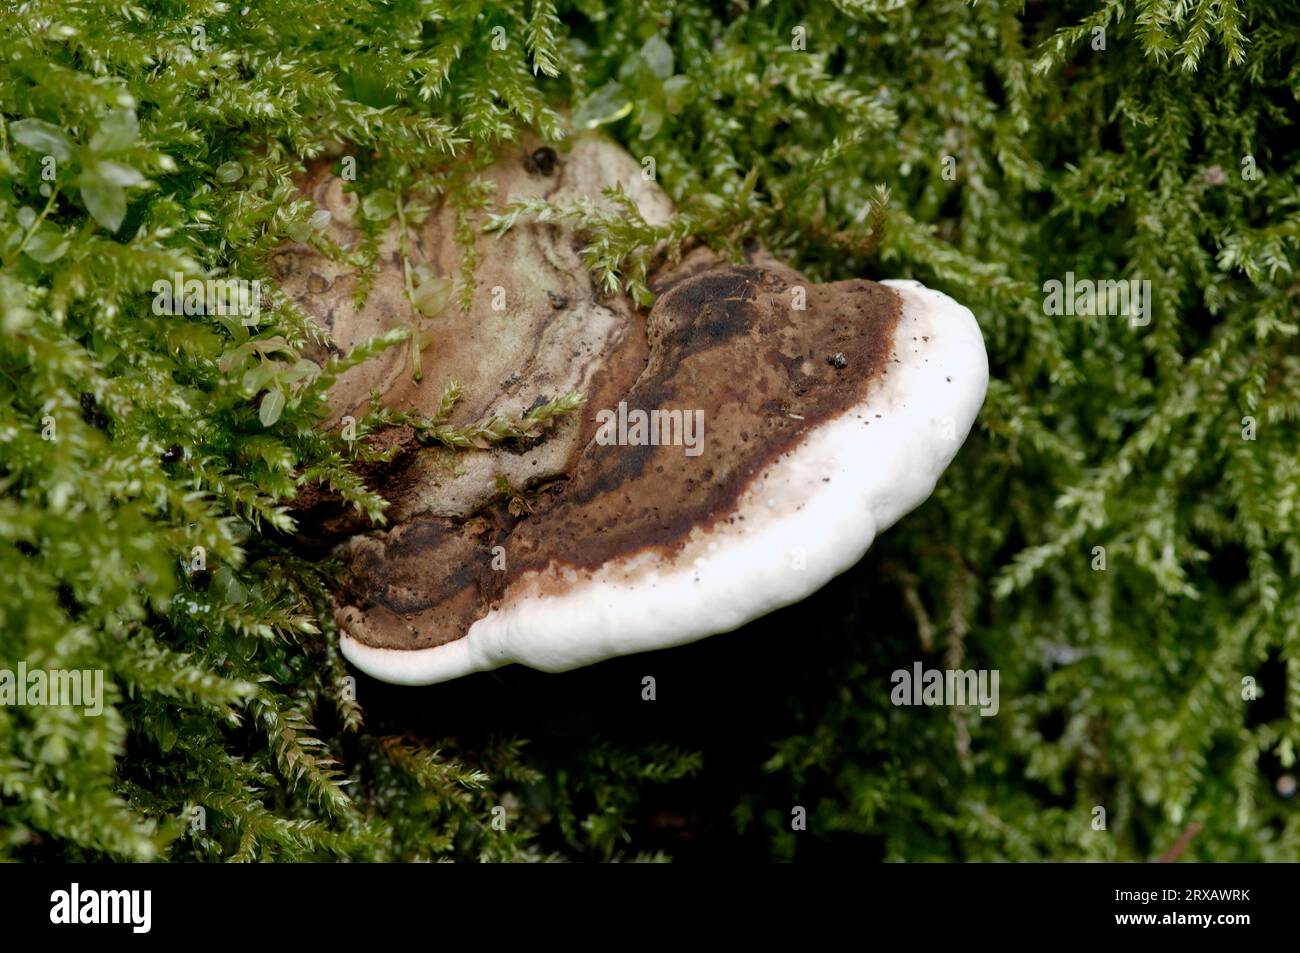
(541, 161)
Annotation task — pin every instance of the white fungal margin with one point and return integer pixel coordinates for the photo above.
(818, 506)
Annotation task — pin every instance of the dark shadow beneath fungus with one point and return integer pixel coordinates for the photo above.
(729, 697)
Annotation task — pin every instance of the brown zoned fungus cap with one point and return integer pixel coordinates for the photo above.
(772, 430)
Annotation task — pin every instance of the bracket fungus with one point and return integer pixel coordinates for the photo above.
(742, 443)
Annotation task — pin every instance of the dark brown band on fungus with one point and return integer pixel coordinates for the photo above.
(731, 342)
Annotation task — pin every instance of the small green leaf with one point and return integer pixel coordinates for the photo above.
(676, 92)
(608, 104)
(119, 130)
(433, 296)
(229, 172)
(658, 56)
(166, 733)
(272, 406)
(12, 237)
(43, 137)
(227, 585)
(106, 348)
(235, 357)
(105, 200)
(119, 174)
(379, 205)
(651, 119)
(299, 370)
(258, 377)
(47, 244)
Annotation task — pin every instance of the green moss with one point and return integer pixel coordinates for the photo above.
(174, 129)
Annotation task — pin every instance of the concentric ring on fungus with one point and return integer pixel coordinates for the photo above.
(742, 444)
